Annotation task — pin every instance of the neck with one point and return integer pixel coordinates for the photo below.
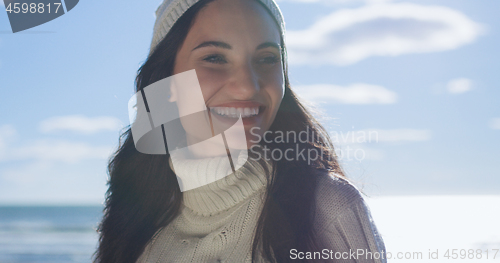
(226, 192)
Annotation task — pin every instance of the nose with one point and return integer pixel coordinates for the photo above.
(244, 83)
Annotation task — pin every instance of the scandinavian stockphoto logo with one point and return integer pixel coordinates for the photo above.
(25, 14)
(171, 115)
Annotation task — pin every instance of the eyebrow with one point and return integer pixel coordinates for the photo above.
(269, 44)
(213, 44)
(224, 45)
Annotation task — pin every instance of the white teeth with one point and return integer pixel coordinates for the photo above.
(232, 112)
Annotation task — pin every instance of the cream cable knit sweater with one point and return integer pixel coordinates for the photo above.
(217, 221)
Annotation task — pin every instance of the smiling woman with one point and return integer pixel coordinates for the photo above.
(234, 46)
(261, 210)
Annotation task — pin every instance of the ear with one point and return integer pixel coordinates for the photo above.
(173, 94)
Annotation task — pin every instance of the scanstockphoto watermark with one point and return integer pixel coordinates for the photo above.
(351, 254)
(461, 254)
(347, 152)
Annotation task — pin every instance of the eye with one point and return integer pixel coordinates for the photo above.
(216, 59)
(270, 60)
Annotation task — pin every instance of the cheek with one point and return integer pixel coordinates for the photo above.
(210, 82)
(276, 91)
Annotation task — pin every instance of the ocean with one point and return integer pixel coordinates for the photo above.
(414, 228)
(55, 234)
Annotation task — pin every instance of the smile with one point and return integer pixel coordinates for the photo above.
(231, 112)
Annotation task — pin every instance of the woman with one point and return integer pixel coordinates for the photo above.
(276, 203)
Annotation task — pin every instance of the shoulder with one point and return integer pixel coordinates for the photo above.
(337, 199)
(342, 220)
(335, 193)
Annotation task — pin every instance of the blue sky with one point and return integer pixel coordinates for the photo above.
(421, 74)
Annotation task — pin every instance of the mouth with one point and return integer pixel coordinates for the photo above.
(233, 112)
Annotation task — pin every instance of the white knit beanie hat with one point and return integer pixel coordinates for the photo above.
(171, 10)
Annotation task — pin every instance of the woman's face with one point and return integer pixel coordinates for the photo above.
(234, 47)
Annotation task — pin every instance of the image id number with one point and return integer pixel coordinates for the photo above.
(32, 8)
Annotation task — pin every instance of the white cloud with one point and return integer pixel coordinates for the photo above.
(353, 94)
(317, 1)
(7, 133)
(400, 135)
(357, 152)
(379, 135)
(48, 150)
(46, 182)
(358, 144)
(58, 150)
(55, 171)
(460, 85)
(495, 123)
(30, 173)
(348, 36)
(336, 1)
(81, 124)
(46, 171)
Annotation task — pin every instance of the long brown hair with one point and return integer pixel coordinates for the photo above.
(143, 194)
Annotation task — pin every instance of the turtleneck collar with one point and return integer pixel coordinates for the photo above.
(224, 193)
